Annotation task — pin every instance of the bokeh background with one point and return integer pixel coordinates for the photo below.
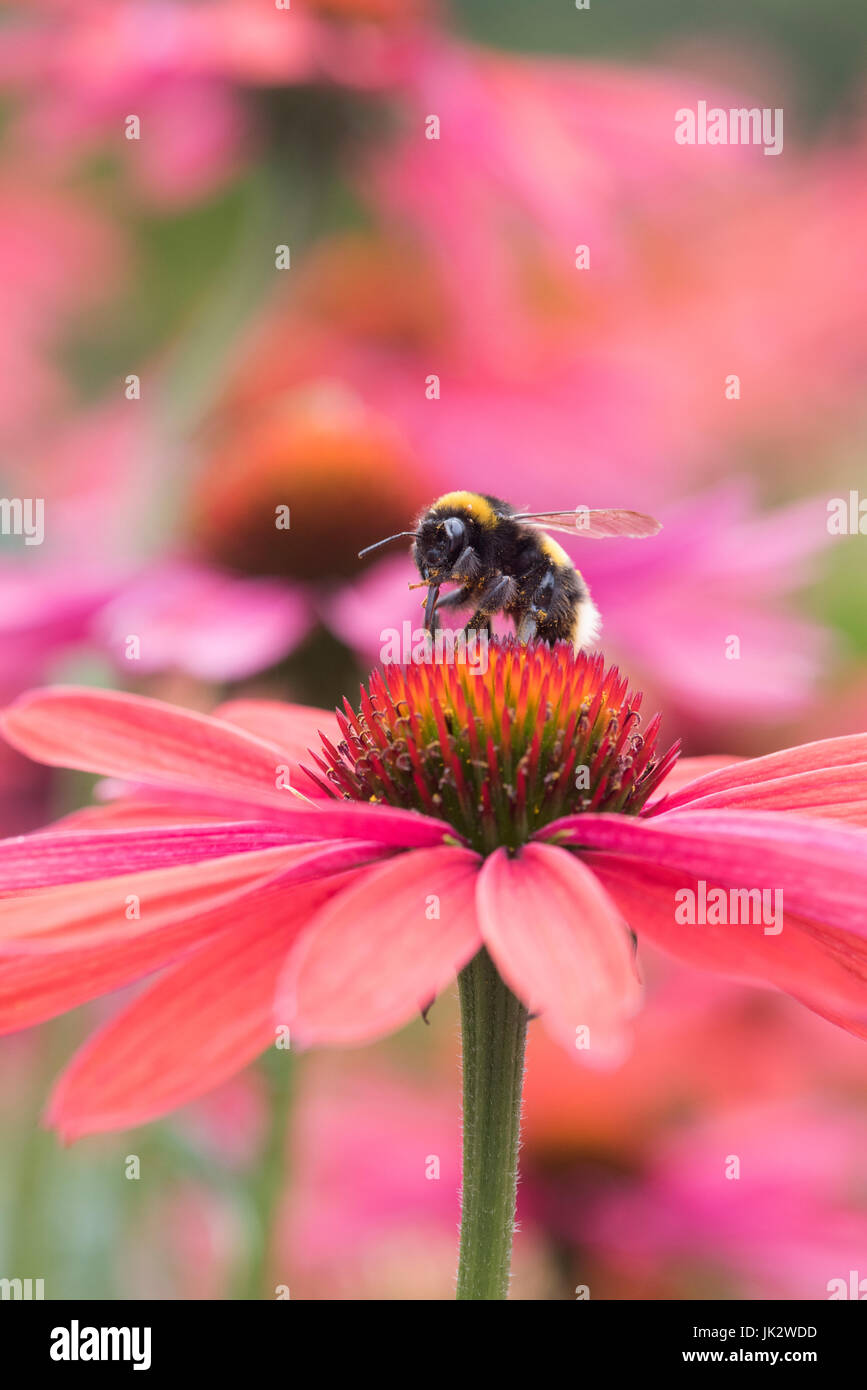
(283, 293)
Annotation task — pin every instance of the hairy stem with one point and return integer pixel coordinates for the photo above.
(494, 1029)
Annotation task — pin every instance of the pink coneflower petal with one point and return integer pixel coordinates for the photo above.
(298, 822)
(688, 770)
(137, 812)
(835, 793)
(559, 942)
(70, 916)
(810, 757)
(142, 740)
(857, 1025)
(388, 825)
(292, 728)
(820, 867)
(39, 860)
(36, 986)
(382, 949)
(201, 1022)
(834, 962)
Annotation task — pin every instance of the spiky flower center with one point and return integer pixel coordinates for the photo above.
(542, 733)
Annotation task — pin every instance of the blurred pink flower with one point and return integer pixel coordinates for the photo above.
(44, 613)
(215, 626)
(165, 615)
(80, 69)
(376, 1175)
(703, 1046)
(531, 158)
(791, 1221)
(110, 567)
(629, 1167)
(704, 261)
(185, 617)
(721, 571)
(746, 280)
(59, 255)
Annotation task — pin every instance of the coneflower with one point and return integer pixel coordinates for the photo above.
(515, 827)
(500, 754)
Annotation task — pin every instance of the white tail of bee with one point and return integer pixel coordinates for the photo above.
(588, 625)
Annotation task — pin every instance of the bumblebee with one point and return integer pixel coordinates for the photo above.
(503, 561)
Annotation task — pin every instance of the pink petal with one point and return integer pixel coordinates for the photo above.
(386, 824)
(560, 944)
(139, 740)
(856, 1026)
(200, 1023)
(75, 915)
(42, 859)
(294, 729)
(34, 987)
(808, 757)
(687, 770)
(136, 812)
(299, 821)
(835, 793)
(820, 866)
(144, 740)
(373, 957)
(291, 728)
(803, 959)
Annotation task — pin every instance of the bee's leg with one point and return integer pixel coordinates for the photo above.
(496, 594)
(455, 600)
(526, 628)
(430, 607)
(491, 598)
(463, 572)
(532, 617)
(479, 622)
(566, 612)
(466, 567)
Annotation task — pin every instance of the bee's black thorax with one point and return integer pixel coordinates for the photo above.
(502, 565)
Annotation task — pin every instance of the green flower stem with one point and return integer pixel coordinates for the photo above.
(494, 1030)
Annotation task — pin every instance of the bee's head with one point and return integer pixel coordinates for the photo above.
(438, 544)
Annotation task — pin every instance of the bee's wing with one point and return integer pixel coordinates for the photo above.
(593, 524)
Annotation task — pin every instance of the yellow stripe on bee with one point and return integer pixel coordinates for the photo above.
(471, 501)
(554, 551)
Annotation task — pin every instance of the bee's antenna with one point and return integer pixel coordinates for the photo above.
(377, 544)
